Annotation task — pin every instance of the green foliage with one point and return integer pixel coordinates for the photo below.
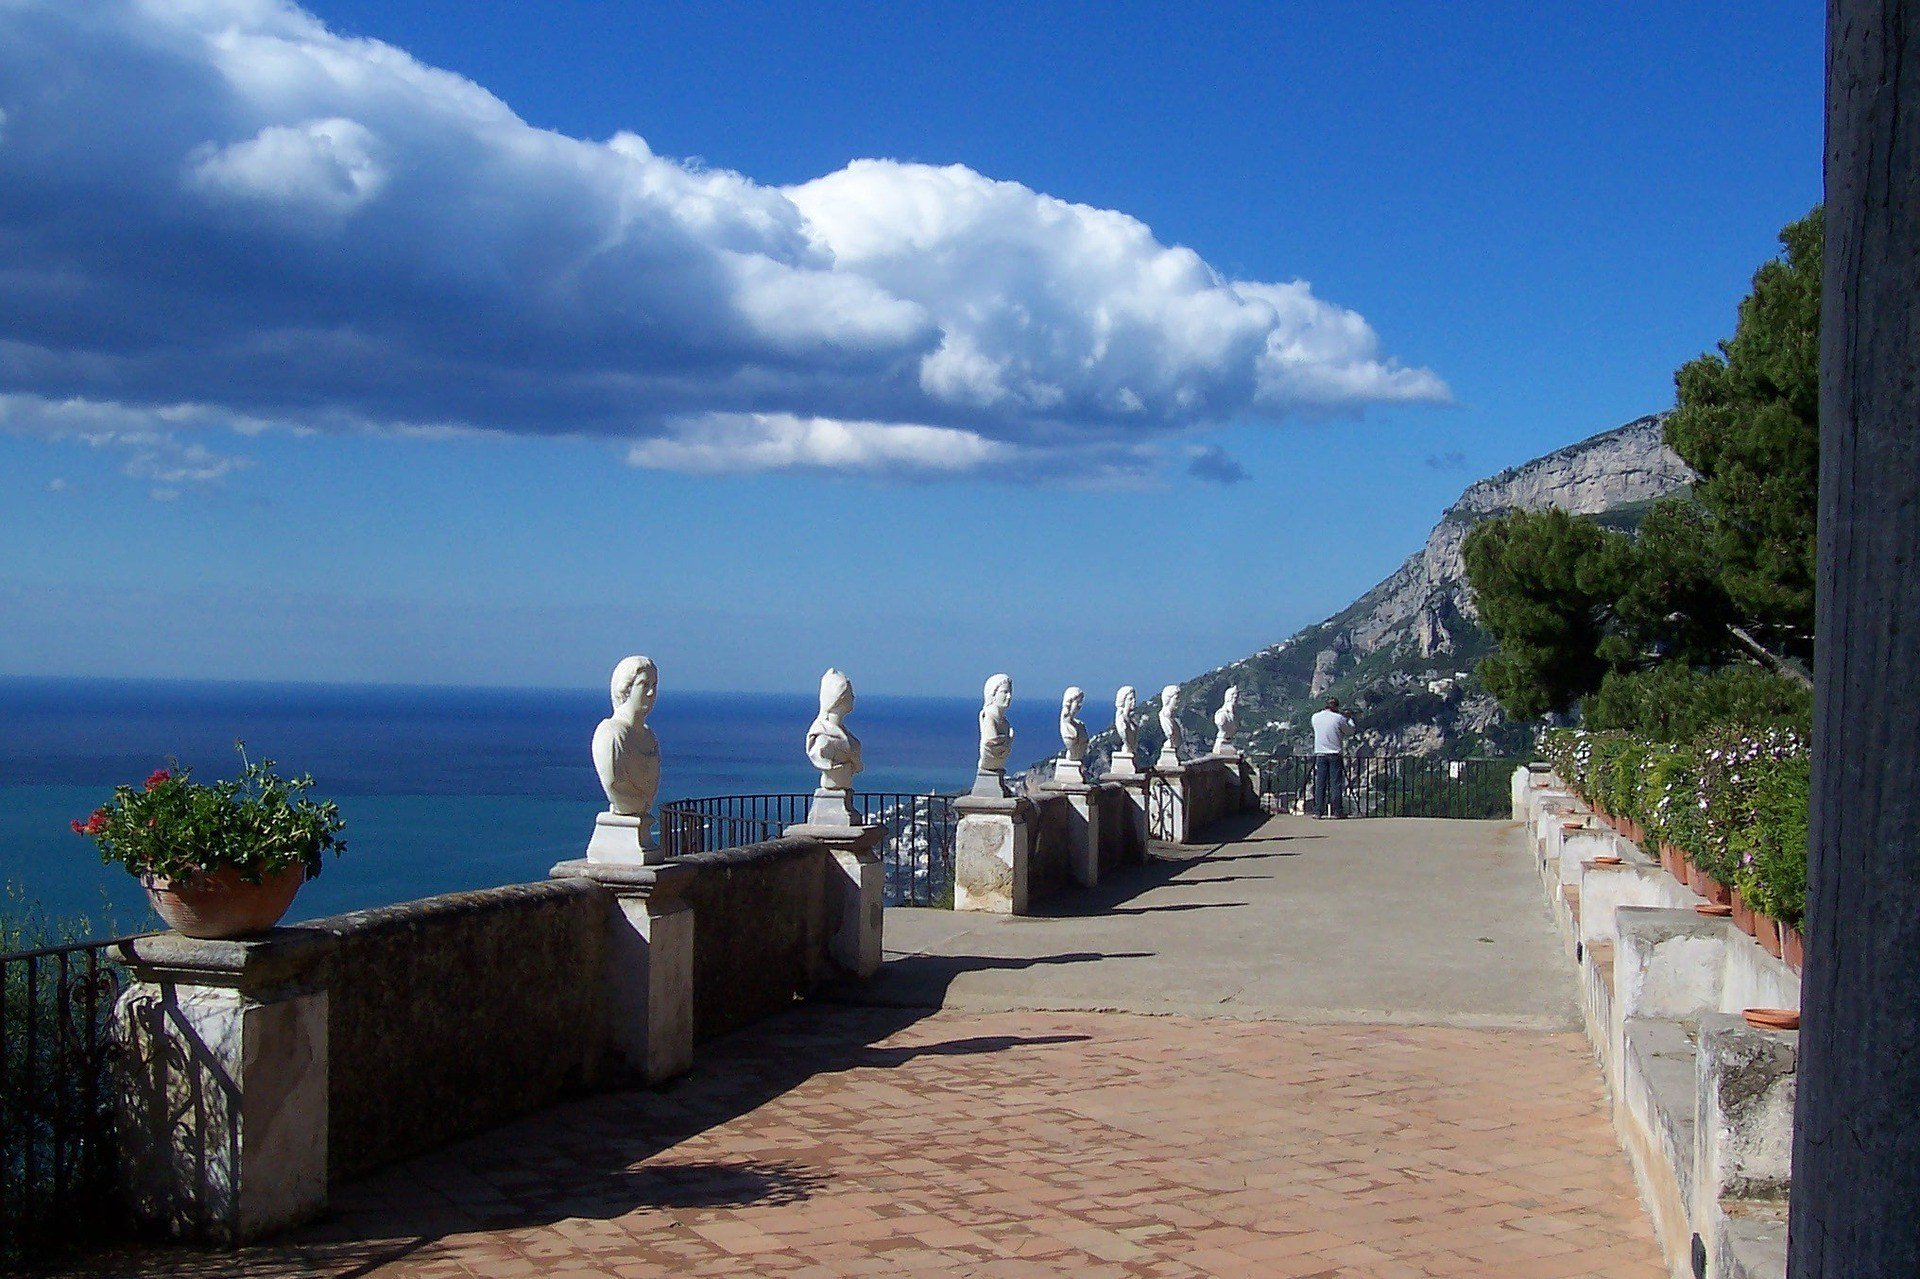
(1673, 702)
(1748, 422)
(1735, 799)
(174, 828)
(1641, 624)
(1544, 584)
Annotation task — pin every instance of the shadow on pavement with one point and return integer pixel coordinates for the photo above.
(595, 1158)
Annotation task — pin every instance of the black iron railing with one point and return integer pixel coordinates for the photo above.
(56, 1102)
(918, 849)
(1396, 786)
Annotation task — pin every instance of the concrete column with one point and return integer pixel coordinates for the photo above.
(1169, 803)
(1134, 786)
(221, 1108)
(648, 967)
(991, 849)
(1083, 835)
(856, 892)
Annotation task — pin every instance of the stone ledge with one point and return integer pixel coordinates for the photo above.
(283, 960)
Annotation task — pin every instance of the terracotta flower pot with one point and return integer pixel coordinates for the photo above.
(1767, 933)
(222, 906)
(1792, 947)
(1697, 881)
(1670, 860)
(1742, 914)
(1716, 892)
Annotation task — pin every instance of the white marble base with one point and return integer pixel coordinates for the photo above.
(1123, 765)
(221, 1110)
(833, 808)
(991, 783)
(991, 849)
(1069, 771)
(648, 966)
(856, 892)
(621, 840)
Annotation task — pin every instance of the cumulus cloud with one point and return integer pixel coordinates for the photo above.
(223, 210)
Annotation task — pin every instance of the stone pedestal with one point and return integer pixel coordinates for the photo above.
(991, 848)
(648, 967)
(990, 783)
(1069, 771)
(1123, 764)
(856, 892)
(1167, 802)
(1134, 786)
(619, 840)
(1083, 835)
(221, 1103)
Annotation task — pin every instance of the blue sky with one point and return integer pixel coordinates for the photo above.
(319, 363)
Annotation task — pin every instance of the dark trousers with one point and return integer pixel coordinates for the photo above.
(1329, 785)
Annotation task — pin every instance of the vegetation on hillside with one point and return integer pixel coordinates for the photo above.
(1700, 610)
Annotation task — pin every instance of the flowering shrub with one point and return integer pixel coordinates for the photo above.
(1734, 799)
(175, 828)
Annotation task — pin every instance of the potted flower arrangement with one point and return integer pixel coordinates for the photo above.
(222, 860)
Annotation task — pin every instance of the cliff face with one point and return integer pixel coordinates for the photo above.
(1404, 652)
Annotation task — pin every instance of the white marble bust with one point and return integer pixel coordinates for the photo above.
(1170, 724)
(1125, 721)
(1226, 722)
(996, 735)
(1073, 733)
(625, 752)
(832, 749)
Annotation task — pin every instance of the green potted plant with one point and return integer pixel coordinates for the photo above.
(221, 860)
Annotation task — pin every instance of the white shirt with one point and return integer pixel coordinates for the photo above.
(1330, 732)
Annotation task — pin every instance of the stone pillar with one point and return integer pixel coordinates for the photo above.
(856, 891)
(1134, 786)
(1167, 802)
(648, 969)
(221, 1108)
(991, 848)
(1083, 849)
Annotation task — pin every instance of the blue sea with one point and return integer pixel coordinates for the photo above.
(442, 789)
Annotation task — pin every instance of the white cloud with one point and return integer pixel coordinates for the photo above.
(321, 166)
(276, 225)
(782, 442)
(145, 439)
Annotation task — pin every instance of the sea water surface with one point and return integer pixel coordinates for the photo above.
(442, 789)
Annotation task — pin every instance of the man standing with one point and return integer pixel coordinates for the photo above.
(1330, 732)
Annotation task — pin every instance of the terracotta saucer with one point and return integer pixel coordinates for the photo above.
(1713, 908)
(1606, 860)
(1772, 1018)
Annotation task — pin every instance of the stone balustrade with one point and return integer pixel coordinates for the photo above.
(1703, 1101)
(258, 1072)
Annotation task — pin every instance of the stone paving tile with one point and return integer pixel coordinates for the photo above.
(837, 1142)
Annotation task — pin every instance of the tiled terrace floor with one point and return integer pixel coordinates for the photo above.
(843, 1141)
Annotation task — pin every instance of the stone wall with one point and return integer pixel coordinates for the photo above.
(762, 928)
(1123, 839)
(449, 1015)
(1049, 863)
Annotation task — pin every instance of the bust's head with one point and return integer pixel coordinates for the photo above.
(631, 671)
(1126, 699)
(1232, 698)
(1169, 697)
(836, 693)
(998, 691)
(1070, 704)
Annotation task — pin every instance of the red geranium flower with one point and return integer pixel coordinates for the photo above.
(79, 827)
(96, 822)
(159, 775)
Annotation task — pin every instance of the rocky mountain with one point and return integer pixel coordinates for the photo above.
(1403, 654)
